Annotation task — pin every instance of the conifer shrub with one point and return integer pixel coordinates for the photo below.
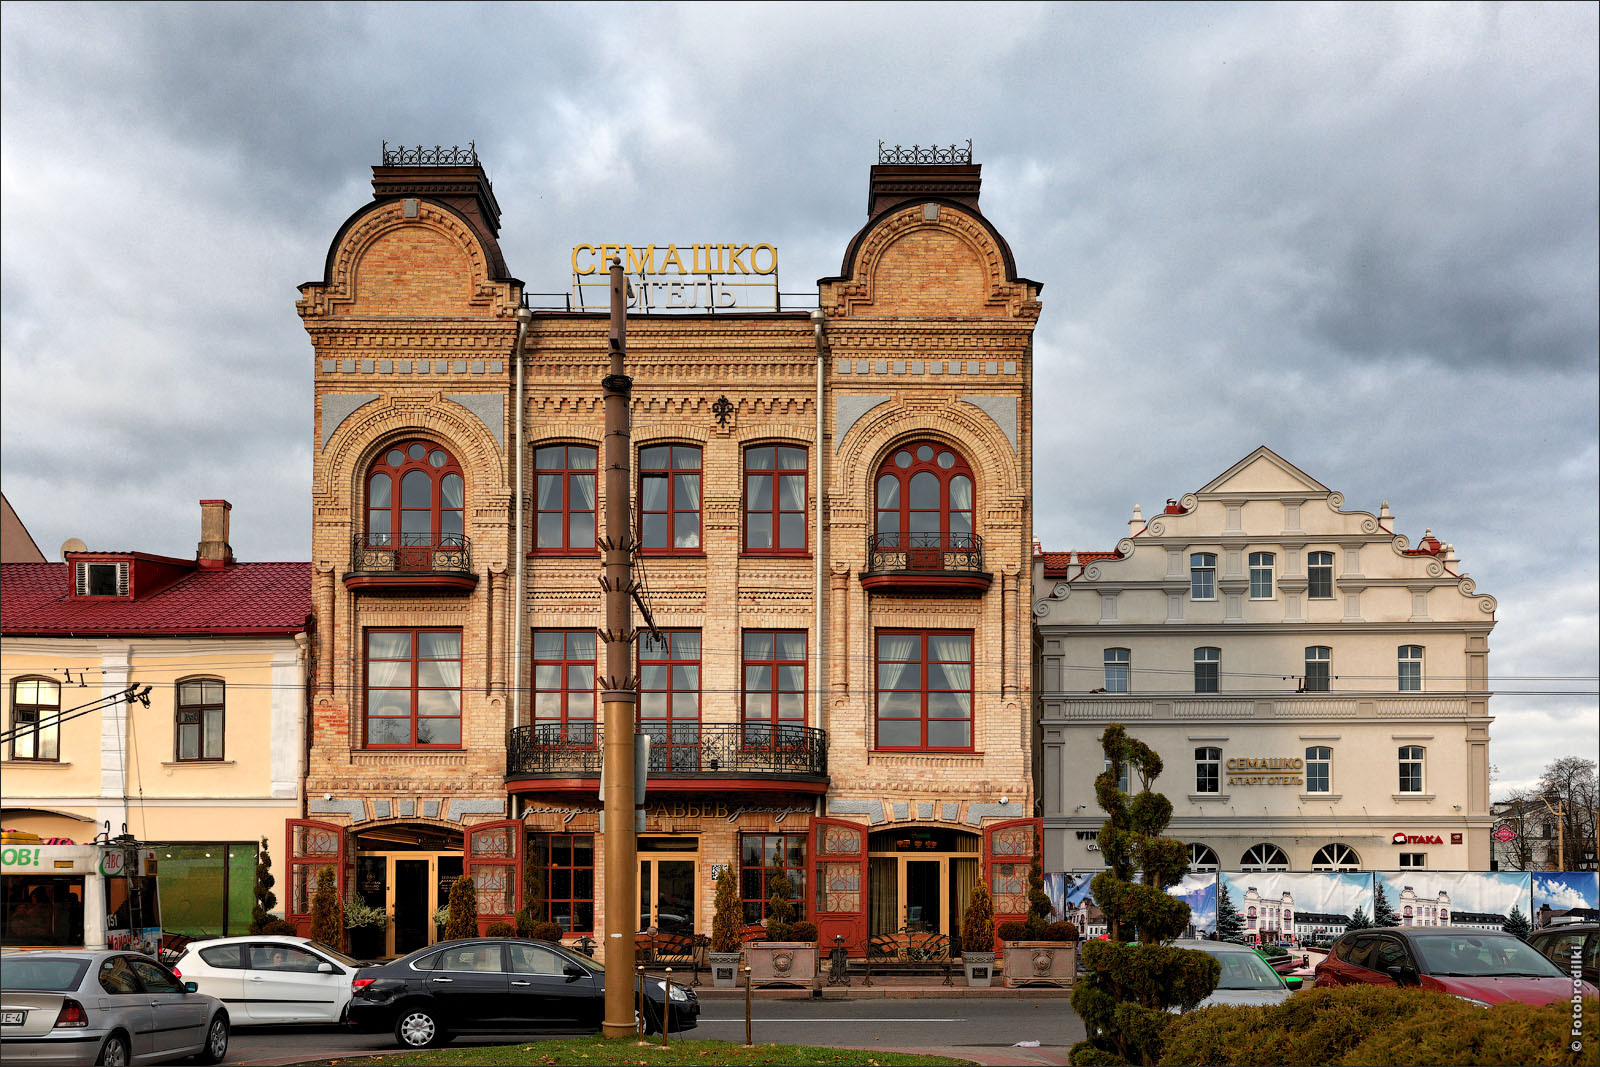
(500, 928)
(728, 911)
(1038, 900)
(533, 910)
(544, 931)
(327, 925)
(803, 931)
(1060, 931)
(266, 899)
(977, 922)
(463, 918)
(780, 912)
(1013, 930)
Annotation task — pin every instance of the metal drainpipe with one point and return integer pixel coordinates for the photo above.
(818, 319)
(524, 316)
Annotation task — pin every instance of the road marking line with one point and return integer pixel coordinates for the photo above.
(810, 1019)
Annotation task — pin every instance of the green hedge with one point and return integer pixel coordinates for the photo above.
(1377, 1026)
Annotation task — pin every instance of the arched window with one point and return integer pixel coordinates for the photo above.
(925, 499)
(1336, 857)
(416, 496)
(1264, 857)
(1202, 857)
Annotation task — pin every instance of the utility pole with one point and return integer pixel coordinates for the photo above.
(1559, 811)
(619, 698)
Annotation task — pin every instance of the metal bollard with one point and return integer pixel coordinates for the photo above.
(747, 1042)
(666, 1008)
(643, 1027)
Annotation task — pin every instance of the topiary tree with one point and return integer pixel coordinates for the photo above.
(780, 912)
(463, 918)
(1230, 925)
(977, 922)
(266, 899)
(1123, 996)
(327, 925)
(1038, 899)
(725, 925)
(500, 928)
(1382, 913)
(534, 906)
(1517, 923)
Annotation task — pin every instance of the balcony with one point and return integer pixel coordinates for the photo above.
(944, 564)
(684, 757)
(410, 565)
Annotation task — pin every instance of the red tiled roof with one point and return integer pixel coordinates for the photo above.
(1056, 563)
(240, 599)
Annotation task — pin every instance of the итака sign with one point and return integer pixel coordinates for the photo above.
(674, 277)
(1266, 770)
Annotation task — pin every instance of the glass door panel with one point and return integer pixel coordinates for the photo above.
(675, 896)
(922, 895)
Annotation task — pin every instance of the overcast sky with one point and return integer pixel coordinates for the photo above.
(1364, 236)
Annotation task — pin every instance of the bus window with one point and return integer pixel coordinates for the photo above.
(42, 909)
(132, 904)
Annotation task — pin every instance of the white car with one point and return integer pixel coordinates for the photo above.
(1246, 978)
(269, 978)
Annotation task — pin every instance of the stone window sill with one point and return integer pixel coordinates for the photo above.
(198, 763)
(1413, 796)
(35, 763)
(1208, 796)
(1330, 797)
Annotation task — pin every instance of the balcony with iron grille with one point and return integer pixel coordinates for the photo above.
(927, 563)
(685, 757)
(413, 564)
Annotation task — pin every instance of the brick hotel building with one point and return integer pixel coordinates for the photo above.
(834, 510)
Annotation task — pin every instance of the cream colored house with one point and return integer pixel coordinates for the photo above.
(165, 697)
(1315, 685)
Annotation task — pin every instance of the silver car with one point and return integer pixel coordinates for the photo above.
(1246, 977)
(73, 1006)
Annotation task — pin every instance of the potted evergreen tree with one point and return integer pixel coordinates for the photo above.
(977, 937)
(326, 924)
(462, 918)
(788, 956)
(1038, 951)
(725, 925)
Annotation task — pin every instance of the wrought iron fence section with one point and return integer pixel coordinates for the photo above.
(924, 552)
(411, 553)
(686, 749)
(925, 153)
(437, 156)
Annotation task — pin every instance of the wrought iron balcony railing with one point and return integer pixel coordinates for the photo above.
(677, 750)
(411, 553)
(924, 552)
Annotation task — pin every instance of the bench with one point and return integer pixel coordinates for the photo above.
(910, 953)
(657, 949)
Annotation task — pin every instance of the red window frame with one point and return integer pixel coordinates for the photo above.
(562, 670)
(446, 525)
(556, 857)
(754, 877)
(924, 667)
(559, 475)
(191, 718)
(669, 706)
(769, 661)
(764, 500)
(892, 497)
(413, 687)
(663, 510)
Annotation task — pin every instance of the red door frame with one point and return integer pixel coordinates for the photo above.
(831, 855)
(1007, 868)
(510, 860)
(308, 852)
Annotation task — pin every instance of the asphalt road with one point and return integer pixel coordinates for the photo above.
(980, 1024)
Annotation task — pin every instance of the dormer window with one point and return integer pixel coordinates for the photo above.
(101, 578)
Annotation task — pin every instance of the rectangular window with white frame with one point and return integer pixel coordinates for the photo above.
(1124, 778)
(1412, 758)
(1319, 669)
(1208, 770)
(1319, 576)
(1319, 769)
(1262, 565)
(1410, 667)
(1207, 670)
(1202, 576)
(1119, 666)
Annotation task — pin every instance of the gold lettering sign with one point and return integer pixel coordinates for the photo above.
(672, 277)
(671, 259)
(1266, 770)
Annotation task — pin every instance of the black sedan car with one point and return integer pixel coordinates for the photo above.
(498, 983)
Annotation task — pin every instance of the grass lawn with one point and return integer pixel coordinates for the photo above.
(599, 1051)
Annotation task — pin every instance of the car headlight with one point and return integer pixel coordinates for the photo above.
(1469, 1000)
(675, 992)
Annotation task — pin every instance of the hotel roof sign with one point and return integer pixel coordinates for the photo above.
(693, 277)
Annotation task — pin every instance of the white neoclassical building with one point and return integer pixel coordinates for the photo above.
(1315, 685)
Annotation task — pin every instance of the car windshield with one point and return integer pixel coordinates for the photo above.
(1245, 970)
(333, 953)
(1474, 955)
(48, 975)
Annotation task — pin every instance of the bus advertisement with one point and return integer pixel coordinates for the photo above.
(101, 895)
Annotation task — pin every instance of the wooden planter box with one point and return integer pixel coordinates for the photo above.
(725, 969)
(782, 962)
(1040, 963)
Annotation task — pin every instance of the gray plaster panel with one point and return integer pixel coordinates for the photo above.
(902, 810)
(408, 809)
(353, 808)
(1001, 409)
(487, 806)
(495, 366)
(347, 366)
(328, 365)
(458, 366)
(949, 812)
(385, 366)
(477, 366)
(871, 808)
(403, 366)
(336, 407)
(381, 809)
(366, 366)
(977, 812)
(430, 809)
(843, 366)
(848, 411)
(925, 809)
(490, 409)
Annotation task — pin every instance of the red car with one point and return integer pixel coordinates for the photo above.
(1482, 967)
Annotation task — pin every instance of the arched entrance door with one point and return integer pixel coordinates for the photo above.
(405, 869)
(919, 879)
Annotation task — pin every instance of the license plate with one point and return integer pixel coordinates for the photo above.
(12, 1018)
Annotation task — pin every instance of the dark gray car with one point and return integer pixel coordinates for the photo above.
(76, 1006)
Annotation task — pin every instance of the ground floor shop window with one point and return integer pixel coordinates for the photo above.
(760, 856)
(207, 889)
(562, 866)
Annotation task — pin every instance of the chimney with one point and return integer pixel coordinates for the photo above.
(451, 176)
(213, 552)
(920, 173)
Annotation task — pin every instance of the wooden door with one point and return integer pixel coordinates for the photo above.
(839, 873)
(312, 847)
(493, 854)
(1008, 851)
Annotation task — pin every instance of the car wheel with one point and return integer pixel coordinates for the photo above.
(114, 1053)
(216, 1040)
(418, 1028)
